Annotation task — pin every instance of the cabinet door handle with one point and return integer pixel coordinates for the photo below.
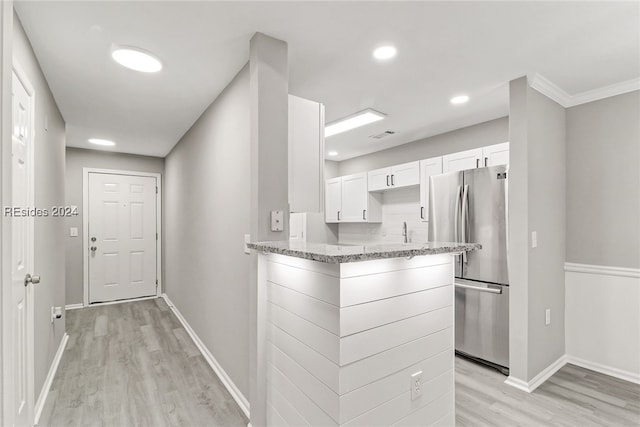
(421, 212)
(364, 214)
(387, 180)
(486, 160)
(338, 215)
(477, 163)
(392, 180)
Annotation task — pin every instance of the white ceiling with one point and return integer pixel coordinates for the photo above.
(444, 49)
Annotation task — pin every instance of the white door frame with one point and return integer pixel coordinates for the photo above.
(85, 224)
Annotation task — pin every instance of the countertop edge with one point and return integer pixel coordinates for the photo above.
(366, 256)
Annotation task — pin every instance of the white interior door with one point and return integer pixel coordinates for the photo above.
(122, 237)
(22, 192)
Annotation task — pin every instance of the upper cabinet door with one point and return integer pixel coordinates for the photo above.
(463, 160)
(428, 168)
(354, 198)
(494, 155)
(306, 155)
(379, 179)
(333, 199)
(405, 174)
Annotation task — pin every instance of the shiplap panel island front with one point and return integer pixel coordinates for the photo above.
(345, 327)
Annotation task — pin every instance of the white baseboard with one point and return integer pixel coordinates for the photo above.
(235, 392)
(42, 398)
(73, 306)
(536, 381)
(603, 369)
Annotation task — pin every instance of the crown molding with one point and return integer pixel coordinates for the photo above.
(555, 92)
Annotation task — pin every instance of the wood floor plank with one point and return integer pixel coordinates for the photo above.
(132, 364)
(572, 397)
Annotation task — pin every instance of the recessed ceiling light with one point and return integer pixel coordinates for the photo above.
(459, 99)
(104, 142)
(136, 59)
(385, 52)
(354, 121)
(332, 153)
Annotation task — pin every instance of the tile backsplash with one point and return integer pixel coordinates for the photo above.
(398, 205)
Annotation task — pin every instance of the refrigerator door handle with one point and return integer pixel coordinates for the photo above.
(456, 215)
(492, 290)
(464, 219)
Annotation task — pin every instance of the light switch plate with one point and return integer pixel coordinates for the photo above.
(277, 221)
(247, 239)
(73, 232)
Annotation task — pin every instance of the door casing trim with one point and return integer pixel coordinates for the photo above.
(85, 225)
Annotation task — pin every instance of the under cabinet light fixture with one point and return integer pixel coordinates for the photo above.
(354, 121)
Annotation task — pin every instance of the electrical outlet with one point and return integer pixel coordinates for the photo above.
(277, 221)
(547, 316)
(534, 239)
(416, 385)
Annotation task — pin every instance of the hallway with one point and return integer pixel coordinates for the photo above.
(134, 364)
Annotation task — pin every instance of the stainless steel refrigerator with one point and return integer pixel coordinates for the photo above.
(470, 206)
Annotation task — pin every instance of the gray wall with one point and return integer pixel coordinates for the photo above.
(603, 182)
(536, 203)
(331, 169)
(480, 135)
(76, 160)
(547, 216)
(49, 191)
(207, 212)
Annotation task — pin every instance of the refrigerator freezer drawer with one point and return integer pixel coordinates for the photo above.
(482, 321)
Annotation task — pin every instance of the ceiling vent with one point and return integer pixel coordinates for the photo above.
(383, 134)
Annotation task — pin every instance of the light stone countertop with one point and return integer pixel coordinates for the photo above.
(340, 253)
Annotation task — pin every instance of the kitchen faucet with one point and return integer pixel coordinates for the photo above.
(404, 232)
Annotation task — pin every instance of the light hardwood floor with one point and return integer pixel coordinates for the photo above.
(133, 364)
(573, 397)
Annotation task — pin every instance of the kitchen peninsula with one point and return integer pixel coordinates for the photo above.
(357, 335)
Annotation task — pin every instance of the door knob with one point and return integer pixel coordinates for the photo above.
(93, 248)
(31, 279)
(93, 239)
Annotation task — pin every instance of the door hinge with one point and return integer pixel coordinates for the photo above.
(156, 236)
(156, 283)
(156, 190)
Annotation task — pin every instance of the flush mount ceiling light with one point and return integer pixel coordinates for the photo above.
(359, 119)
(332, 153)
(104, 142)
(136, 59)
(385, 52)
(461, 99)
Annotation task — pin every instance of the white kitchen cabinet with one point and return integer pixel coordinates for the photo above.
(398, 176)
(348, 200)
(462, 160)
(333, 199)
(306, 155)
(354, 198)
(494, 155)
(428, 168)
(379, 179)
